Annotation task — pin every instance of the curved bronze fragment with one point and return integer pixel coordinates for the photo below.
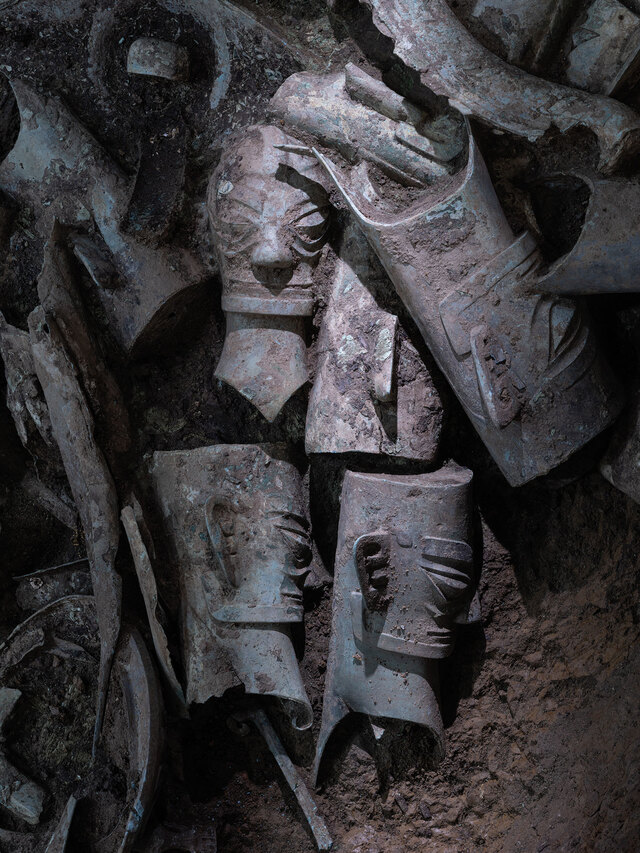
(403, 573)
(149, 589)
(61, 300)
(528, 34)
(56, 160)
(142, 699)
(597, 43)
(143, 702)
(24, 396)
(525, 367)
(621, 462)
(236, 523)
(605, 257)
(90, 480)
(428, 37)
(21, 796)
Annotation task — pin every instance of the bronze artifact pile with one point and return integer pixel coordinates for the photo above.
(343, 234)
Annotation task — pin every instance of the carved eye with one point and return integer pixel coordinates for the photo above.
(313, 223)
(448, 566)
(311, 228)
(237, 236)
(294, 529)
(236, 222)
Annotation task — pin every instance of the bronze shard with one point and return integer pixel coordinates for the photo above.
(403, 575)
(237, 526)
(269, 219)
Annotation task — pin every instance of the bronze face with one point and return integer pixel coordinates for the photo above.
(269, 217)
(236, 522)
(262, 551)
(412, 588)
(403, 579)
(269, 220)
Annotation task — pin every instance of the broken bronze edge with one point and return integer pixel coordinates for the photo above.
(58, 841)
(261, 721)
(91, 483)
(149, 590)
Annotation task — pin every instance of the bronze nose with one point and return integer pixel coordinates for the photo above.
(272, 253)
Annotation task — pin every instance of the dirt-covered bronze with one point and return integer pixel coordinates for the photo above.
(403, 573)
(238, 532)
(372, 391)
(58, 168)
(275, 278)
(429, 38)
(269, 220)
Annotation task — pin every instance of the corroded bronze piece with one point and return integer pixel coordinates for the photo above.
(67, 629)
(90, 480)
(21, 796)
(58, 168)
(527, 34)
(368, 121)
(151, 57)
(372, 392)
(525, 367)
(269, 217)
(597, 43)
(429, 39)
(149, 590)
(403, 575)
(143, 709)
(604, 258)
(61, 299)
(604, 48)
(237, 525)
(24, 395)
(58, 841)
(290, 772)
(621, 462)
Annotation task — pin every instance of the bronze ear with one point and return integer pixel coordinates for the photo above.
(221, 523)
(372, 554)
